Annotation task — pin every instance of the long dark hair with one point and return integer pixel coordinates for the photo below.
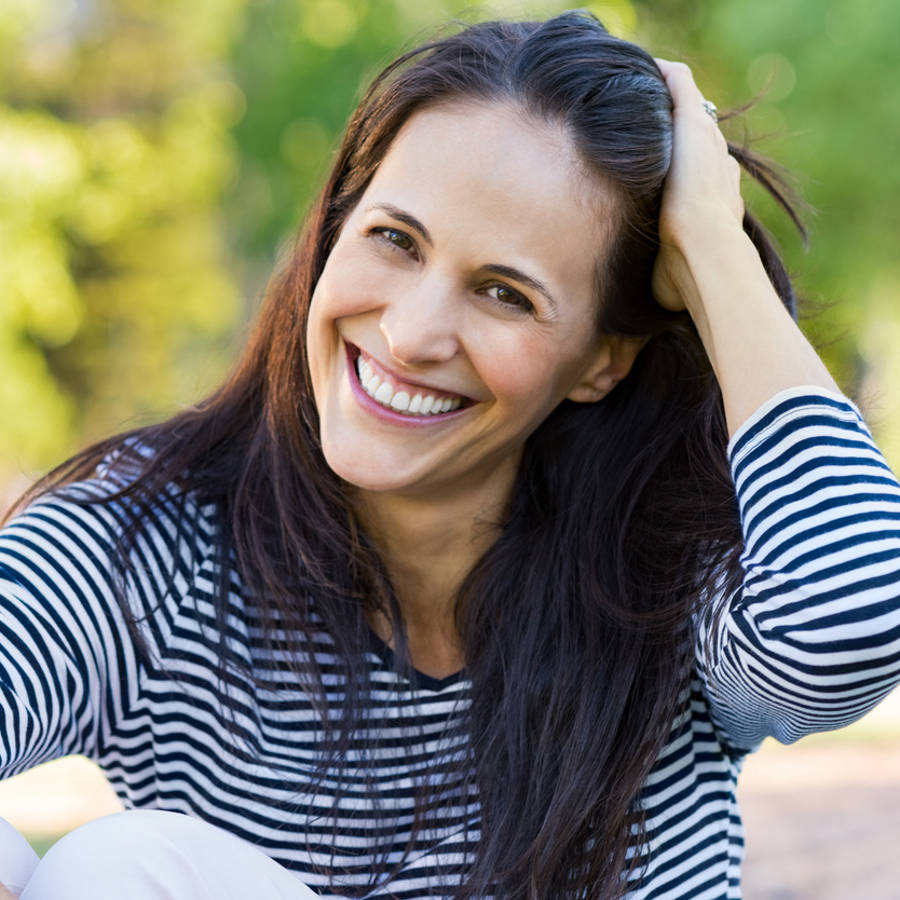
(578, 623)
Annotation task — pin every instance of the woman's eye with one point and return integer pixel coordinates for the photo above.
(398, 239)
(506, 295)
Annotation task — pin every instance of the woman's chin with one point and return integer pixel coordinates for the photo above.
(372, 482)
(368, 474)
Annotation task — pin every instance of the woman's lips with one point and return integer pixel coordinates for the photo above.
(397, 400)
(398, 384)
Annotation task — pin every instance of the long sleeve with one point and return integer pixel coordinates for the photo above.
(69, 667)
(59, 636)
(811, 641)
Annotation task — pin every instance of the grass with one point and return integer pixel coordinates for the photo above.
(43, 842)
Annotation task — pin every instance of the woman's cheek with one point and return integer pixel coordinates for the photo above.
(354, 288)
(514, 362)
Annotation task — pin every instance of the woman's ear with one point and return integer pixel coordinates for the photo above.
(611, 362)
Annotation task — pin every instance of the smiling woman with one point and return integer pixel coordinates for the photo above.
(481, 190)
(525, 515)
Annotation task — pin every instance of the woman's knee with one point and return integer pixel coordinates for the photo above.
(138, 848)
(17, 859)
(157, 855)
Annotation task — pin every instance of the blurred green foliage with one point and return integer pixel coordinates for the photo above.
(117, 297)
(154, 155)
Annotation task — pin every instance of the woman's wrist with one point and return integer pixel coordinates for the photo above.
(700, 223)
(703, 262)
(719, 261)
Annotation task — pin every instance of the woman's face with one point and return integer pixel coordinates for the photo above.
(457, 307)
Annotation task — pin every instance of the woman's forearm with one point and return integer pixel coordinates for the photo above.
(755, 347)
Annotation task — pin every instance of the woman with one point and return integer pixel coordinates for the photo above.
(447, 592)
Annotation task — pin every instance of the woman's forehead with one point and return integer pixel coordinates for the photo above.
(483, 171)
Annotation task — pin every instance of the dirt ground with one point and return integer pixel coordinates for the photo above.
(822, 818)
(822, 822)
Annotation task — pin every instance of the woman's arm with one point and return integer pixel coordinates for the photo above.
(55, 639)
(68, 664)
(58, 642)
(708, 265)
(811, 641)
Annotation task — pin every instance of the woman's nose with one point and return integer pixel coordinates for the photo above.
(422, 325)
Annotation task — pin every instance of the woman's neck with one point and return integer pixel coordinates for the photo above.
(428, 548)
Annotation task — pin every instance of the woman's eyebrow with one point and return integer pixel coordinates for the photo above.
(407, 218)
(496, 268)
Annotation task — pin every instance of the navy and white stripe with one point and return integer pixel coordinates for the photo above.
(811, 642)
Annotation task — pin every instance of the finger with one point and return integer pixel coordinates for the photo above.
(736, 181)
(6, 894)
(681, 84)
(720, 138)
(687, 97)
(735, 170)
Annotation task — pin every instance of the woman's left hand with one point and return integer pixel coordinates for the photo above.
(709, 266)
(701, 195)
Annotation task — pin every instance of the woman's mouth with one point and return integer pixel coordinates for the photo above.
(410, 400)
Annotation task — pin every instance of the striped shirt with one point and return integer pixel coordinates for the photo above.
(810, 642)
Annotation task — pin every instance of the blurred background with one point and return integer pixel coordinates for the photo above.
(156, 155)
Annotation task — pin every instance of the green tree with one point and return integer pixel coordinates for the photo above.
(118, 296)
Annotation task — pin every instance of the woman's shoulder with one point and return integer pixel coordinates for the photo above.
(120, 504)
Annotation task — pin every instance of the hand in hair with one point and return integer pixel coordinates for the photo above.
(702, 193)
(708, 265)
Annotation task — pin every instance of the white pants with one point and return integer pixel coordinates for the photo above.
(145, 855)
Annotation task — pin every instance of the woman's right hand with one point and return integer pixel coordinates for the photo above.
(7, 894)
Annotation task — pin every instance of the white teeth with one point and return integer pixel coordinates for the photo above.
(400, 401)
(383, 393)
